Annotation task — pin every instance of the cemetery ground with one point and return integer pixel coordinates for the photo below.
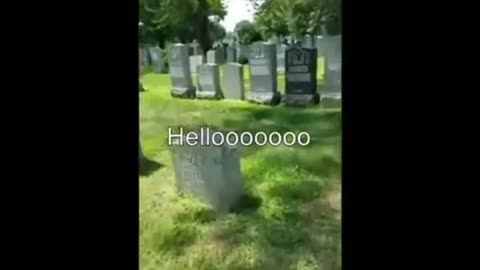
(291, 214)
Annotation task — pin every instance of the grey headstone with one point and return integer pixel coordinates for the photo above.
(179, 66)
(156, 59)
(209, 82)
(216, 56)
(233, 83)
(211, 173)
(195, 62)
(307, 42)
(146, 57)
(231, 54)
(281, 49)
(243, 51)
(263, 74)
(196, 48)
(332, 89)
(301, 77)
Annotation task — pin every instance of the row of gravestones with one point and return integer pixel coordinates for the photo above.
(323, 44)
(300, 67)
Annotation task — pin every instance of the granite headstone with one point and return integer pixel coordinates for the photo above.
(211, 173)
(301, 77)
(209, 82)
(179, 66)
(263, 74)
(233, 84)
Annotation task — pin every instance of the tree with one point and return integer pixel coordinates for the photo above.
(218, 32)
(183, 20)
(278, 17)
(246, 33)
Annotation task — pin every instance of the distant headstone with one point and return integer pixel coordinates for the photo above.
(146, 57)
(209, 82)
(301, 77)
(211, 173)
(243, 51)
(263, 74)
(179, 66)
(233, 84)
(156, 59)
(307, 42)
(281, 49)
(231, 54)
(332, 90)
(195, 62)
(215, 56)
(196, 48)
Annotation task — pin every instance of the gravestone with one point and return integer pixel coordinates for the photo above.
(233, 84)
(301, 77)
(307, 42)
(146, 57)
(263, 74)
(243, 51)
(215, 56)
(331, 92)
(156, 59)
(140, 70)
(179, 66)
(281, 49)
(196, 48)
(211, 173)
(209, 82)
(195, 62)
(231, 54)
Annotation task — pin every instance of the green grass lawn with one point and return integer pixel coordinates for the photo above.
(295, 222)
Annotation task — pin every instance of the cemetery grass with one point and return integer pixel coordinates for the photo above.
(290, 217)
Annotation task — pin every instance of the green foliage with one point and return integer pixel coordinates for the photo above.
(178, 20)
(218, 32)
(246, 33)
(279, 17)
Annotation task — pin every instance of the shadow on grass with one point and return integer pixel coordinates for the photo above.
(308, 233)
(148, 166)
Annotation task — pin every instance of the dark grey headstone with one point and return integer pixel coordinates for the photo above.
(263, 74)
(179, 66)
(209, 82)
(195, 62)
(301, 77)
(211, 173)
(231, 54)
(156, 59)
(233, 84)
(281, 49)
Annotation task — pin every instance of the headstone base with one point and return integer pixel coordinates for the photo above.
(208, 95)
(272, 98)
(183, 92)
(331, 101)
(301, 99)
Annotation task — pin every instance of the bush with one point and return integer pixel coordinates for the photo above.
(243, 60)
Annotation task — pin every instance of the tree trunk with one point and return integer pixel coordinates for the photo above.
(204, 37)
